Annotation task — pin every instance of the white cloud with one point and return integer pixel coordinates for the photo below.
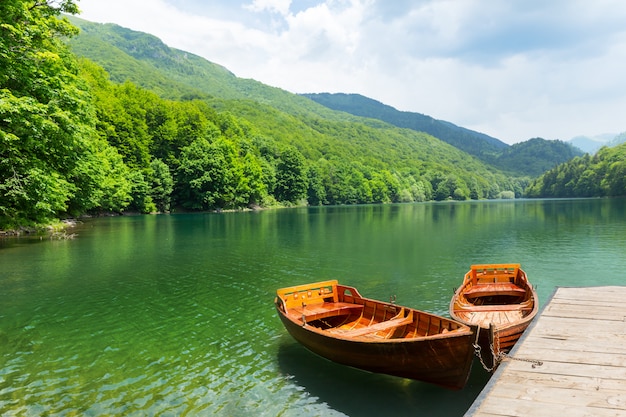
(514, 70)
(275, 6)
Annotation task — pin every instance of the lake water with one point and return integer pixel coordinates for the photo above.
(173, 314)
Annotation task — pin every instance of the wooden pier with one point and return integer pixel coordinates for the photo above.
(580, 339)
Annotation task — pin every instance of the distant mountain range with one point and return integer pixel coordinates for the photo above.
(475, 143)
(591, 144)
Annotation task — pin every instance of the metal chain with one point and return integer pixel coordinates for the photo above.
(477, 351)
(500, 356)
(535, 363)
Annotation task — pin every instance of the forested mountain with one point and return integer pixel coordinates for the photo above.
(601, 175)
(531, 157)
(147, 62)
(534, 156)
(353, 146)
(121, 122)
(474, 143)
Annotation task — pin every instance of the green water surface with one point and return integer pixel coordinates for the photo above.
(172, 315)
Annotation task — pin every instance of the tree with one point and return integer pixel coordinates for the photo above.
(602, 175)
(380, 192)
(122, 116)
(216, 174)
(616, 179)
(316, 193)
(102, 182)
(291, 179)
(162, 185)
(48, 142)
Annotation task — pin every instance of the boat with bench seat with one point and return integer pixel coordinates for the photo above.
(499, 300)
(337, 323)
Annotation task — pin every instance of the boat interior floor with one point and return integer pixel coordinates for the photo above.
(483, 319)
(324, 310)
(375, 328)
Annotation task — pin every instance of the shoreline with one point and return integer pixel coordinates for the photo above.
(53, 230)
(59, 228)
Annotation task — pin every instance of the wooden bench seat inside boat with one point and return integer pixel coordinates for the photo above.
(383, 325)
(498, 307)
(495, 288)
(319, 311)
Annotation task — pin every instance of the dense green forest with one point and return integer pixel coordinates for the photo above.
(474, 143)
(601, 175)
(527, 158)
(340, 150)
(112, 120)
(534, 156)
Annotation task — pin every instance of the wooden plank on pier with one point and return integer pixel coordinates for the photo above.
(580, 339)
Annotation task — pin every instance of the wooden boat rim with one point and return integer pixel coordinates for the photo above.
(534, 299)
(283, 293)
(464, 329)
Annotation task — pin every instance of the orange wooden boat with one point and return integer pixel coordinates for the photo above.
(337, 323)
(499, 300)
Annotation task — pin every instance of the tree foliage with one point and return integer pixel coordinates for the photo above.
(534, 156)
(48, 146)
(474, 143)
(601, 175)
(528, 158)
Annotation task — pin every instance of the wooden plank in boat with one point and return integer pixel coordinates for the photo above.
(384, 325)
(498, 307)
(498, 288)
(497, 317)
(319, 311)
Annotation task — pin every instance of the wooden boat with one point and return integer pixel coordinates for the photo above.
(499, 300)
(337, 323)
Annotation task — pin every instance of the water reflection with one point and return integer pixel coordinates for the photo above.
(359, 393)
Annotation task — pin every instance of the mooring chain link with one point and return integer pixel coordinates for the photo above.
(478, 352)
(535, 363)
(500, 356)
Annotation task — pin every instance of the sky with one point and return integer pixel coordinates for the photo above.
(515, 69)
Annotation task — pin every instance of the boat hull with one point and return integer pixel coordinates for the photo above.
(444, 361)
(501, 323)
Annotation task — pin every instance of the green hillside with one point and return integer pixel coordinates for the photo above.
(317, 132)
(474, 143)
(600, 175)
(113, 120)
(529, 158)
(146, 61)
(534, 156)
